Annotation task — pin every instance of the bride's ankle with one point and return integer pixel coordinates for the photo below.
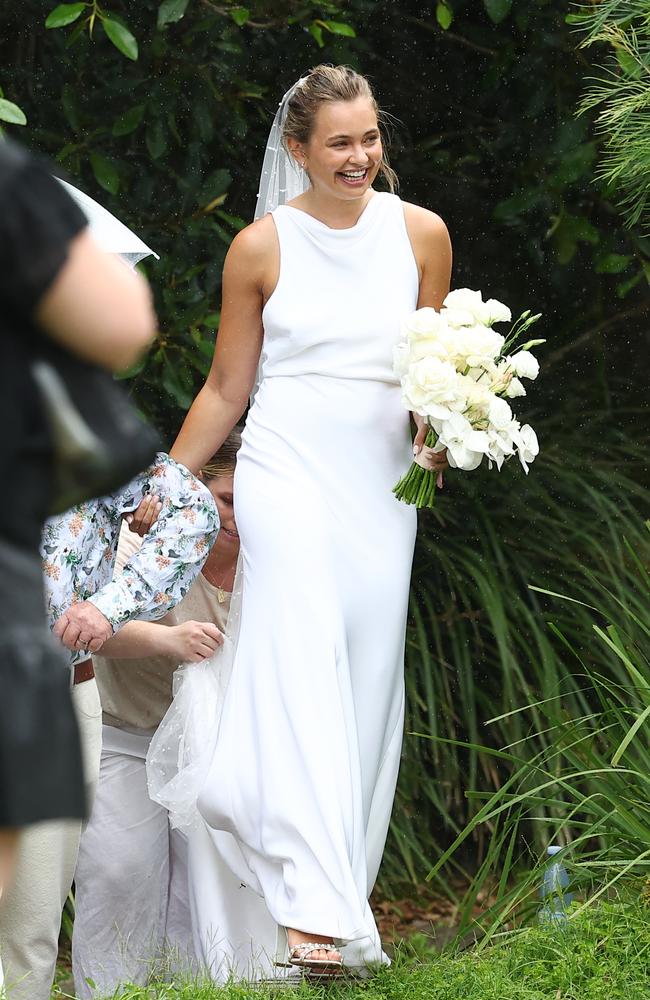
(303, 937)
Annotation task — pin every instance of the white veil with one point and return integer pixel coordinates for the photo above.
(183, 745)
(282, 179)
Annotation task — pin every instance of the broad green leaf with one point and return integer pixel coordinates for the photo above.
(64, 14)
(129, 121)
(339, 28)
(613, 263)
(171, 11)
(105, 173)
(317, 32)
(240, 15)
(628, 63)
(121, 38)
(171, 381)
(444, 15)
(497, 10)
(156, 139)
(70, 107)
(11, 113)
(625, 287)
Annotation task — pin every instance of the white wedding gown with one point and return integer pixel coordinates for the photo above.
(300, 789)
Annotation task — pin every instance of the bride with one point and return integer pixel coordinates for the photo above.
(300, 787)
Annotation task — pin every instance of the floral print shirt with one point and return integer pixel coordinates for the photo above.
(79, 547)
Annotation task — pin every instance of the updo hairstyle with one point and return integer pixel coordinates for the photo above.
(331, 83)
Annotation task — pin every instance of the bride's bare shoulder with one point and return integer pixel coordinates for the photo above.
(423, 224)
(256, 243)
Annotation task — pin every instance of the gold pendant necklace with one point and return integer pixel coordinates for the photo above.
(222, 595)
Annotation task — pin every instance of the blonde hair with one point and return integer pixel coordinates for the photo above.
(331, 83)
(223, 462)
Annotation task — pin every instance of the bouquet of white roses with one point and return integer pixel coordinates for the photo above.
(458, 373)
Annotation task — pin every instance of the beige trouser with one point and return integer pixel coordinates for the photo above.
(30, 909)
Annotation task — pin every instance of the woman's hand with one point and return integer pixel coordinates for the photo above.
(145, 515)
(427, 458)
(192, 641)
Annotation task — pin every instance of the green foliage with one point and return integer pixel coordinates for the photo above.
(589, 784)
(11, 113)
(478, 647)
(620, 94)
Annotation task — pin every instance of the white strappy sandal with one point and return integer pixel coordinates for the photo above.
(298, 956)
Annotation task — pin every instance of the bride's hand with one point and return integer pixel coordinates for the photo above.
(427, 458)
(145, 515)
(192, 641)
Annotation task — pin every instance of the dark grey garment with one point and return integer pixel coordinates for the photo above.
(41, 773)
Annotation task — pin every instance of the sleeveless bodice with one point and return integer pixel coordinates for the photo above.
(341, 294)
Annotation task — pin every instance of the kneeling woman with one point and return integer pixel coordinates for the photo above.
(132, 910)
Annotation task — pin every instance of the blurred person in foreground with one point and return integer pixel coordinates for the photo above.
(132, 910)
(56, 283)
(85, 606)
(46, 258)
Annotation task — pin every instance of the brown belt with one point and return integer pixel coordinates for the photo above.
(83, 671)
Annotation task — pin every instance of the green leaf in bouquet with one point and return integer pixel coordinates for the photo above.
(121, 37)
(11, 113)
(65, 13)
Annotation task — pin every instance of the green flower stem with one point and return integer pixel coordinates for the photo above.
(418, 486)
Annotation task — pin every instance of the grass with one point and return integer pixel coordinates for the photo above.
(603, 954)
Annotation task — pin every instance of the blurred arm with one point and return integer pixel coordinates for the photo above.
(97, 307)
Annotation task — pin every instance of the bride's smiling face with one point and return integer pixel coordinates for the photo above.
(344, 151)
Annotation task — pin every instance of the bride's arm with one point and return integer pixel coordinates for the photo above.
(223, 398)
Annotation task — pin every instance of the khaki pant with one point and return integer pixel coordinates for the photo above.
(30, 910)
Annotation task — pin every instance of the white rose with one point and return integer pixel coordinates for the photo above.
(476, 346)
(423, 323)
(527, 446)
(465, 446)
(431, 388)
(525, 364)
(429, 347)
(465, 299)
(494, 311)
(458, 318)
(515, 388)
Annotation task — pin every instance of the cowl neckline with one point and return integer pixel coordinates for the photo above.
(315, 225)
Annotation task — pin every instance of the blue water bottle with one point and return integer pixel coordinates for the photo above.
(554, 890)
